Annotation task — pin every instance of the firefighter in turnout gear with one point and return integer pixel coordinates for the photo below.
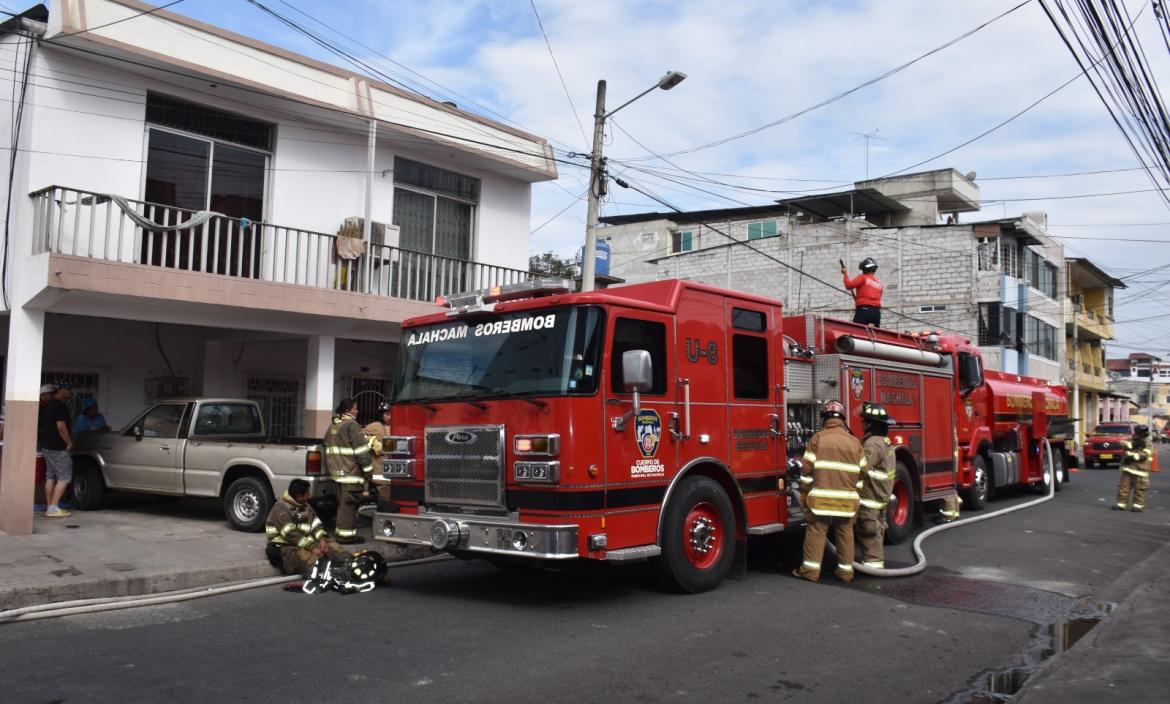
(867, 293)
(1135, 471)
(377, 432)
(832, 472)
(296, 537)
(348, 459)
(878, 484)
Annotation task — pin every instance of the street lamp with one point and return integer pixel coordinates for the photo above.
(597, 175)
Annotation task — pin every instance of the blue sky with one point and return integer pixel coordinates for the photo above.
(752, 62)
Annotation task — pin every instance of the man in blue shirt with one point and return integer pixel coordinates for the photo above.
(89, 419)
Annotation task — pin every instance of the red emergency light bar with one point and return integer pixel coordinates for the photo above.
(485, 298)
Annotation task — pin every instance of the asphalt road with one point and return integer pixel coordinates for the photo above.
(468, 632)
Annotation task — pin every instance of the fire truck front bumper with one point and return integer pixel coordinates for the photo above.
(476, 534)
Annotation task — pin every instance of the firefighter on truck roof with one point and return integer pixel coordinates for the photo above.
(831, 474)
(1135, 471)
(867, 293)
(877, 485)
(348, 459)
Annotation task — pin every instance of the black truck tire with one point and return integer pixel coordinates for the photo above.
(246, 504)
(900, 511)
(975, 498)
(698, 537)
(88, 487)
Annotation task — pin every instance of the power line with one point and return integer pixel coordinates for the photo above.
(561, 212)
(135, 16)
(846, 93)
(585, 140)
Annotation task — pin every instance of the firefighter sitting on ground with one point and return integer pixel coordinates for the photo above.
(1135, 471)
(877, 485)
(831, 474)
(350, 465)
(867, 293)
(296, 537)
(377, 432)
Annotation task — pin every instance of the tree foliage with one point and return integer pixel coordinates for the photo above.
(551, 265)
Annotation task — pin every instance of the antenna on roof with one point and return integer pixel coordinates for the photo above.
(868, 136)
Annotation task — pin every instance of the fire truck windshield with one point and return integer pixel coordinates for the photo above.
(546, 352)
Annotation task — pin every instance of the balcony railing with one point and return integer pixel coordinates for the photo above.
(94, 225)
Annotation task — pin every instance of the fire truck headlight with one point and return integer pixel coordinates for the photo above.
(543, 472)
(519, 540)
(398, 468)
(547, 445)
(388, 528)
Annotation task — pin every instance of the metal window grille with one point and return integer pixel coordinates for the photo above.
(85, 385)
(281, 404)
(368, 392)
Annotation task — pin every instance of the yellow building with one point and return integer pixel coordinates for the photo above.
(1088, 324)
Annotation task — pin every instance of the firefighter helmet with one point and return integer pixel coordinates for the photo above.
(1141, 431)
(875, 413)
(868, 265)
(365, 566)
(383, 407)
(832, 409)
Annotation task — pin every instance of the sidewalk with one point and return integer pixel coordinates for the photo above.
(133, 545)
(1125, 658)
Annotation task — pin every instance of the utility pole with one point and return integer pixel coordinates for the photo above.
(596, 190)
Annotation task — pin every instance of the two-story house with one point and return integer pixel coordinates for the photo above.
(191, 211)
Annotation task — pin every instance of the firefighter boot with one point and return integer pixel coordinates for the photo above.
(814, 549)
(1124, 486)
(843, 541)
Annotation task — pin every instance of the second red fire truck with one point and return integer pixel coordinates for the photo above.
(662, 421)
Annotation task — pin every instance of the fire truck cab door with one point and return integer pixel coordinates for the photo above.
(641, 457)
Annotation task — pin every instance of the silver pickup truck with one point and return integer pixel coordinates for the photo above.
(206, 447)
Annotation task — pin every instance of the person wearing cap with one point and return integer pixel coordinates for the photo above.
(89, 419)
(377, 432)
(832, 471)
(55, 444)
(867, 293)
(1135, 471)
(878, 484)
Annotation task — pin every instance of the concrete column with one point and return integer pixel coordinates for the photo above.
(26, 337)
(319, 401)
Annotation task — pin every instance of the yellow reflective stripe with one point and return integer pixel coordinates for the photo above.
(319, 533)
(1139, 506)
(346, 532)
(949, 514)
(873, 503)
(347, 479)
(338, 450)
(844, 568)
(805, 479)
(860, 484)
(1135, 472)
(1121, 504)
(305, 542)
(271, 530)
(278, 541)
(835, 493)
(879, 474)
(864, 461)
(811, 565)
(835, 514)
(879, 564)
(839, 466)
(287, 528)
(809, 457)
(316, 524)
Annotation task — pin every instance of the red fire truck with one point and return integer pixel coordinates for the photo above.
(661, 421)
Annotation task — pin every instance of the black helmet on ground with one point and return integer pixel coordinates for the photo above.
(868, 265)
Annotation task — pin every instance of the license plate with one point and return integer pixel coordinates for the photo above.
(1106, 457)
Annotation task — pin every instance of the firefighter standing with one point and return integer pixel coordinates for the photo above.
(831, 474)
(867, 293)
(877, 485)
(377, 432)
(347, 457)
(1135, 471)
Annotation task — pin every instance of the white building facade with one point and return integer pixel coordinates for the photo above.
(195, 212)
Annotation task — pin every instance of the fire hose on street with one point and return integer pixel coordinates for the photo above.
(920, 556)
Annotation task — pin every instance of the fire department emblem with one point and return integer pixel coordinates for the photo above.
(648, 426)
(857, 383)
(970, 408)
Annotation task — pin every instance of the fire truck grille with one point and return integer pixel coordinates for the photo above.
(465, 466)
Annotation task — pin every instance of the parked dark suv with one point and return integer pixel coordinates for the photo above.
(1106, 446)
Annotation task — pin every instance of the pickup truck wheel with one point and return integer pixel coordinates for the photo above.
(246, 504)
(698, 537)
(900, 510)
(88, 487)
(975, 498)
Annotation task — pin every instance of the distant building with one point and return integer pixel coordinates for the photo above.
(1000, 282)
(1088, 325)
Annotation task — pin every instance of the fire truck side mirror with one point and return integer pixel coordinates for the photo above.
(637, 371)
(970, 372)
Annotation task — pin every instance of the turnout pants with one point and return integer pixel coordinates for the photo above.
(870, 527)
(349, 499)
(815, 534)
(294, 560)
(1137, 485)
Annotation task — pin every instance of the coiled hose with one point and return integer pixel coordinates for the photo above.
(920, 565)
